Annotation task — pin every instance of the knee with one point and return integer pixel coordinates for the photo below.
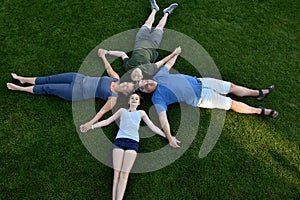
(234, 105)
(232, 88)
(124, 176)
(116, 174)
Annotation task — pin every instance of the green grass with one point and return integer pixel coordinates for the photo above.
(253, 43)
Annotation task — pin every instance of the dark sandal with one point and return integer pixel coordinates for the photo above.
(261, 95)
(272, 114)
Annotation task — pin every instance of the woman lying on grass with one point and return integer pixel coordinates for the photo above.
(126, 144)
(76, 87)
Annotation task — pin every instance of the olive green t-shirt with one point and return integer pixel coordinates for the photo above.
(143, 56)
(144, 52)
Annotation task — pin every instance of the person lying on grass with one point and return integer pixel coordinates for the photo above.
(198, 92)
(126, 143)
(76, 87)
(142, 60)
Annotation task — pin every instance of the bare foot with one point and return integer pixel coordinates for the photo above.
(19, 78)
(12, 86)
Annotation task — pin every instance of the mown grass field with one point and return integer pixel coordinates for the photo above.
(253, 43)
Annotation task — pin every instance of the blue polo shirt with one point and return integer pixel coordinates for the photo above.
(173, 88)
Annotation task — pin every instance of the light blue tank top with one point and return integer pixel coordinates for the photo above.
(129, 125)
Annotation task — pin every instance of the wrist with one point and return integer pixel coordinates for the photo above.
(107, 52)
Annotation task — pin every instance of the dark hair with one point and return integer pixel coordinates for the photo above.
(136, 88)
(142, 101)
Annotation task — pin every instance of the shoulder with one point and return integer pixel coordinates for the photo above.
(164, 69)
(162, 72)
(142, 112)
(115, 79)
(108, 79)
(121, 110)
(157, 97)
(149, 68)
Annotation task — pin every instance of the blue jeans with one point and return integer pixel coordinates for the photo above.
(67, 86)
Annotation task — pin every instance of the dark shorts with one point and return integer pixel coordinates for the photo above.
(126, 144)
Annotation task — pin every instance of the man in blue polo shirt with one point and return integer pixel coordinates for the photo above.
(198, 92)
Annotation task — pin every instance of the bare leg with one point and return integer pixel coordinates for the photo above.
(151, 18)
(241, 91)
(22, 79)
(14, 87)
(163, 21)
(128, 161)
(118, 155)
(246, 109)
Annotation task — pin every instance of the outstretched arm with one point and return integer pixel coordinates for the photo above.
(150, 124)
(108, 68)
(120, 54)
(160, 63)
(166, 127)
(110, 103)
(107, 121)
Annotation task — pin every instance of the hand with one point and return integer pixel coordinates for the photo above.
(174, 142)
(177, 51)
(101, 52)
(85, 127)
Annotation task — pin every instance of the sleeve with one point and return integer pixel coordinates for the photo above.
(159, 104)
(149, 68)
(162, 72)
(125, 64)
(154, 55)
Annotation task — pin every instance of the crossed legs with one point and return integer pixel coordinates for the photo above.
(122, 162)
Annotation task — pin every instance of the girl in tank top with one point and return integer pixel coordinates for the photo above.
(126, 143)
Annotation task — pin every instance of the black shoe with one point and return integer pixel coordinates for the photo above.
(261, 95)
(154, 5)
(272, 114)
(171, 8)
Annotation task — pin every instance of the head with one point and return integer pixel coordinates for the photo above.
(126, 87)
(147, 86)
(136, 74)
(136, 100)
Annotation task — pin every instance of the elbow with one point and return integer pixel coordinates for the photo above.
(124, 55)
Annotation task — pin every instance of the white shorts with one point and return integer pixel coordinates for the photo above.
(213, 94)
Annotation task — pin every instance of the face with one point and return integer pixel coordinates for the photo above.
(136, 74)
(126, 87)
(134, 100)
(147, 86)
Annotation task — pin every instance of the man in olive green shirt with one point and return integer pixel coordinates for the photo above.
(142, 62)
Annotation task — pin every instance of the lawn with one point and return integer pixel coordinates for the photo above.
(252, 43)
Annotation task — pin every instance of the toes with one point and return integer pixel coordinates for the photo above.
(9, 86)
(14, 75)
